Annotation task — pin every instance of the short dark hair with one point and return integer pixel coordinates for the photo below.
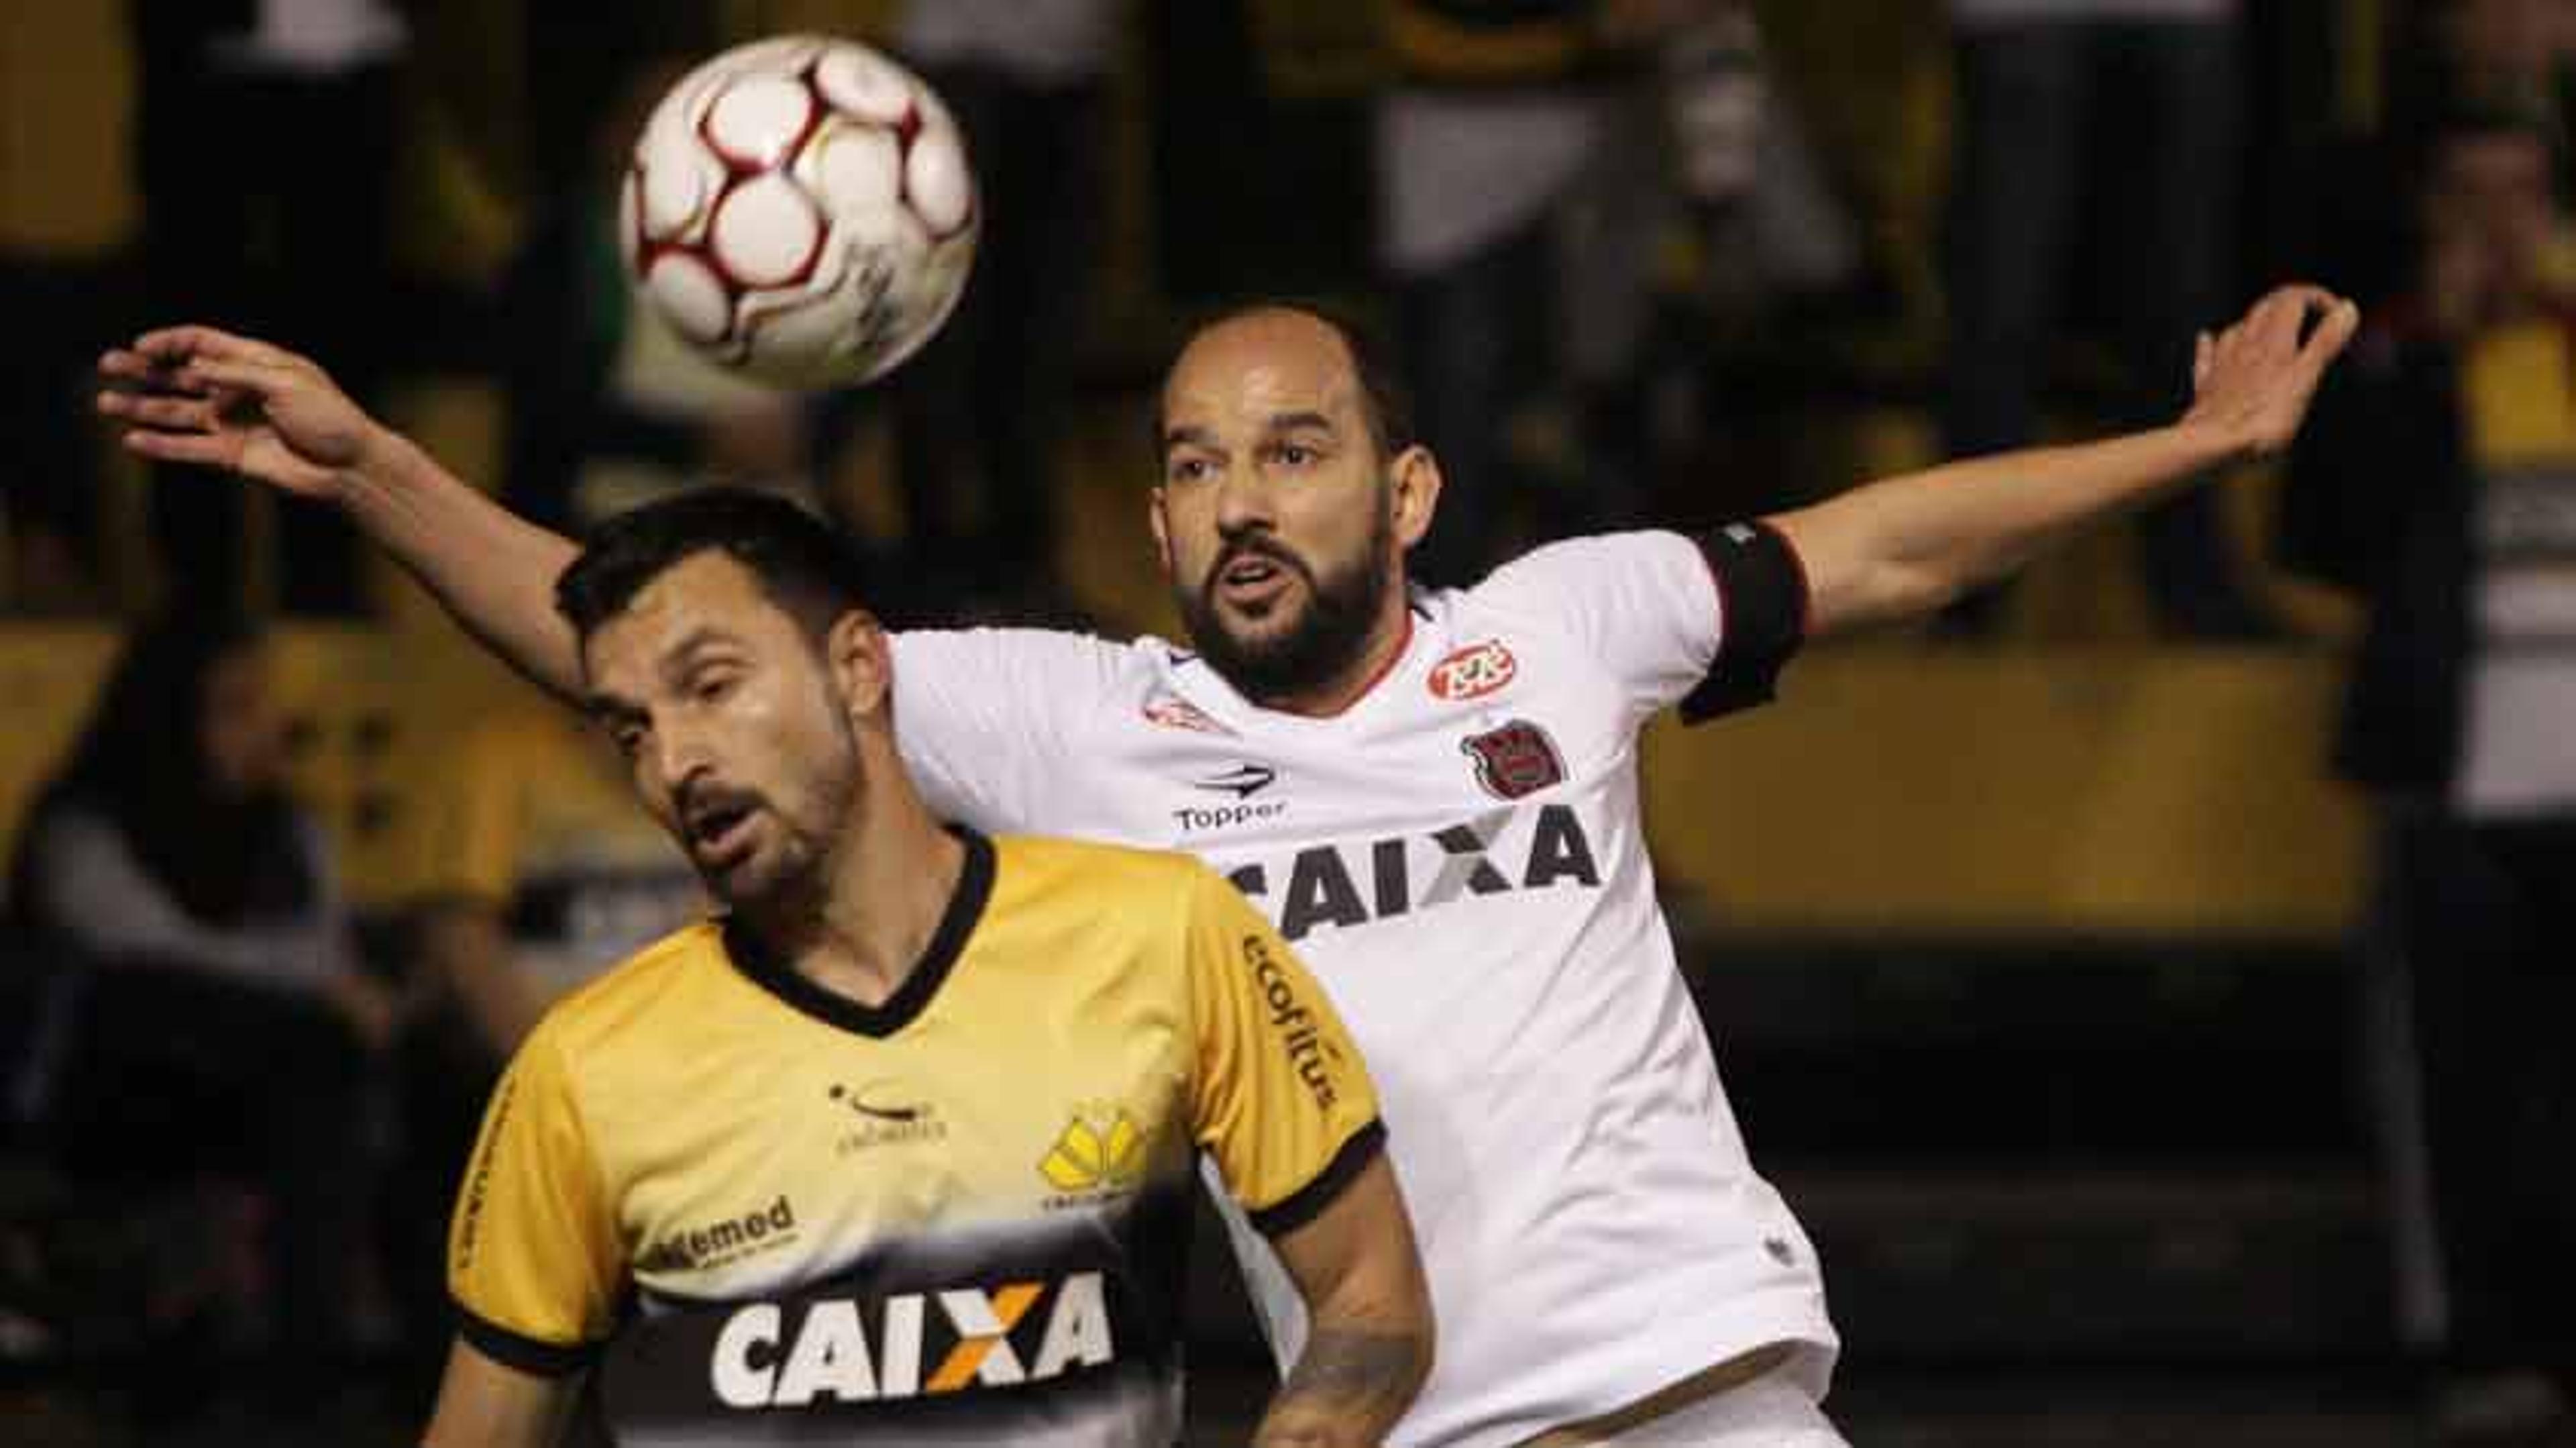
(802, 565)
(1384, 399)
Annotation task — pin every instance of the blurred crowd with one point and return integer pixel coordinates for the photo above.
(1630, 250)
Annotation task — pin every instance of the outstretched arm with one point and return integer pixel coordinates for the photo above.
(198, 395)
(1903, 547)
(1369, 1347)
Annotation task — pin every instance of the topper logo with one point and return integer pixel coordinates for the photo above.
(1473, 672)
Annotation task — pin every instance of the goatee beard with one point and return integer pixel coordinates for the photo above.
(1323, 643)
(810, 855)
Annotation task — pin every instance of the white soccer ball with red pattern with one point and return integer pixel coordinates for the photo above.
(801, 209)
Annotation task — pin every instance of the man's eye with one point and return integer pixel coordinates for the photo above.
(714, 685)
(628, 738)
(1188, 470)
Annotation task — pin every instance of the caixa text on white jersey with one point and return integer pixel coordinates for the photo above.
(1355, 882)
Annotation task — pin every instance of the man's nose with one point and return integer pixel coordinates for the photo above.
(679, 754)
(1244, 502)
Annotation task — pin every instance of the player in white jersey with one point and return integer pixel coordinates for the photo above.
(1435, 794)
(1459, 855)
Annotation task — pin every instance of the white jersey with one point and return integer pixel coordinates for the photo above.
(1458, 857)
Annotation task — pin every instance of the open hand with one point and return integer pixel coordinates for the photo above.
(2253, 382)
(198, 395)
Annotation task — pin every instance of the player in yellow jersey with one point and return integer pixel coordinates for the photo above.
(898, 1147)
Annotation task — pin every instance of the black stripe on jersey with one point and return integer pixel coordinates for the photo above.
(965, 909)
(1762, 607)
(1308, 1202)
(527, 1354)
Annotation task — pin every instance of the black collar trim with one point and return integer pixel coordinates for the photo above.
(965, 910)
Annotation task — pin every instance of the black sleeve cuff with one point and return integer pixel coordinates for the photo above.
(510, 1349)
(1762, 611)
(1308, 1202)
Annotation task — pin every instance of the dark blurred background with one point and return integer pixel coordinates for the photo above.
(2150, 982)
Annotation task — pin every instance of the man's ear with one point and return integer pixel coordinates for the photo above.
(1414, 494)
(860, 662)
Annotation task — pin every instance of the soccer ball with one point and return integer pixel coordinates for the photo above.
(800, 209)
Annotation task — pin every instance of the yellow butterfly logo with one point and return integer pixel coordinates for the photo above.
(1085, 1156)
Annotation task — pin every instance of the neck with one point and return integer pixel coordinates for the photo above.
(885, 891)
(1384, 645)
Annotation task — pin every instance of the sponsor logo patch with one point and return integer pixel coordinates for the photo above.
(1099, 1153)
(695, 1249)
(1181, 714)
(1194, 818)
(469, 1231)
(773, 1355)
(883, 1114)
(1356, 882)
(1298, 1035)
(1243, 781)
(1473, 672)
(1517, 759)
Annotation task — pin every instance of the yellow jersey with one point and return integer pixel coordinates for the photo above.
(767, 1213)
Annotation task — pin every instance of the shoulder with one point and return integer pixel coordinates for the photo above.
(1601, 556)
(1053, 860)
(1595, 596)
(1540, 582)
(1032, 676)
(1030, 649)
(644, 991)
(1141, 889)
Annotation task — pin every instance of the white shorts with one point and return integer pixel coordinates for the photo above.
(1773, 1411)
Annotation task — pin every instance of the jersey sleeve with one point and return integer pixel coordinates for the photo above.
(1280, 1099)
(1705, 622)
(534, 1261)
(984, 718)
